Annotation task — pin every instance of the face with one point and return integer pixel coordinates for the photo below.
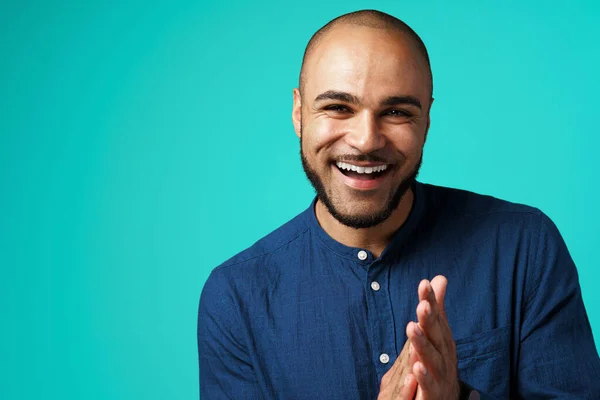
(362, 119)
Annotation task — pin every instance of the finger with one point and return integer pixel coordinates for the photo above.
(431, 324)
(427, 354)
(411, 353)
(439, 285)
(426, 292)
(427, 385)
(410, 387)
(422, 289)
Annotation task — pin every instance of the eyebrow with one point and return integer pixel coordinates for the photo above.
(340, 96)
(350, 98)
(396, 100)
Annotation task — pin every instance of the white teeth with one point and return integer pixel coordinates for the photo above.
(359, 169)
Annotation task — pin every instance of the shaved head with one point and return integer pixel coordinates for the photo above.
(371, 19)
(362, 115)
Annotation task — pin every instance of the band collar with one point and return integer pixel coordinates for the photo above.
(358, 254)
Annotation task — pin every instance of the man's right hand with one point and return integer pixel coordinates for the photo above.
(399, 382)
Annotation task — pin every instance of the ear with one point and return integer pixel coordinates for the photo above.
(297, 112)
(428, 120)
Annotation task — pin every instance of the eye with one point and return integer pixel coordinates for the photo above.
(394, 112)
(338, 108)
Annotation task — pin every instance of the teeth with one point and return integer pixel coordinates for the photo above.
(360, 170)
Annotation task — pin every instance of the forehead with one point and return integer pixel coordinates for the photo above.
(367, 62)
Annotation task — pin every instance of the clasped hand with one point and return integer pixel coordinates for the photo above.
(426, 368)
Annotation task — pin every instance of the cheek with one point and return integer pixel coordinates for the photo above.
(408, 140)
(325, 132)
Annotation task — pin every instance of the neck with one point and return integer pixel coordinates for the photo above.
(374, 239)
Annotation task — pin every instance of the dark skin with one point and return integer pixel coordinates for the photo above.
(400, 382)
(427, 366)
(367, 91)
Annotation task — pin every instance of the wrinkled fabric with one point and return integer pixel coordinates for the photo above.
(295, 316)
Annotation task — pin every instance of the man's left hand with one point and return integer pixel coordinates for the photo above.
(436, 371)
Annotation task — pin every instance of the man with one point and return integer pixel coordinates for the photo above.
(336, 304)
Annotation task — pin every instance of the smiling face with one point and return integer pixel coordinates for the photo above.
(362, 118)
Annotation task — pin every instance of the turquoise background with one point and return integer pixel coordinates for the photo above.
(143, 143)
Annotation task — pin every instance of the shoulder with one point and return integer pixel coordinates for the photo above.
(271, 244)
(259, 263)
(476, 218)
(466, 207)
(464, 202)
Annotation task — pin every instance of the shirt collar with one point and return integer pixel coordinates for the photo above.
(354, 253)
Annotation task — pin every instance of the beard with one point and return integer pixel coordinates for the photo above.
(352, 220)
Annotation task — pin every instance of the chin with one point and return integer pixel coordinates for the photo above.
(359, 214)
(361, 206)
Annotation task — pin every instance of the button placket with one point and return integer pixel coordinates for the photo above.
(381, 319)
(373, 323)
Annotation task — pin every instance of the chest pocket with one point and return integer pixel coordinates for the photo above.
(484, 361)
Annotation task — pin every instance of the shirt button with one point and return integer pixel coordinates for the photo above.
(362, 255)
(384, 358)
(375, 286)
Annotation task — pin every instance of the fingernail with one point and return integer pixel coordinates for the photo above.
(418, 330)
(427, 309)
(422, 368)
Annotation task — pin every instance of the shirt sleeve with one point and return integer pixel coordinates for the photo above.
(224, 363)
(557, 356)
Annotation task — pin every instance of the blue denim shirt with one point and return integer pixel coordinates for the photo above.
(296, 316)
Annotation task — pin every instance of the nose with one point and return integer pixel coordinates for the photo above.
(364, 134)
